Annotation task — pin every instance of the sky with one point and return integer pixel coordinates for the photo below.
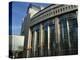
(19, 10)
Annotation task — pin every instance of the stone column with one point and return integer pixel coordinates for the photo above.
(57, 34)
(34, 43)
(29, 43)
(68, 35)
(41, 40)
(77, 16)
(49, 40)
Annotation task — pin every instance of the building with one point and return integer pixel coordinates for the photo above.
(52, 31)
(16, 45)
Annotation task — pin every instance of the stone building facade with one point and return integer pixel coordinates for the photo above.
(52, 31)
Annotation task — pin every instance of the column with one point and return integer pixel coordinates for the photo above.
(77, 16)
(57, 34)
(41, 40)
(49, 40)
(29, 43)
(68, 36)
(34, 43)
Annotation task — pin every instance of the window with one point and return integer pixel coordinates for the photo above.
(72, 6)
(69, 7)
(66, 8)
(61, 9)
(58, 10)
